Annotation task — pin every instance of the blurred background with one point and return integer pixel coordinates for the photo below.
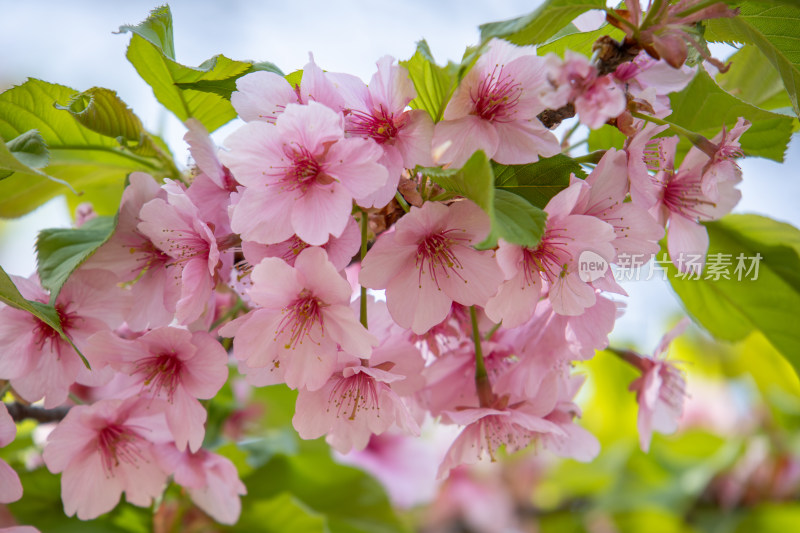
(735, 463)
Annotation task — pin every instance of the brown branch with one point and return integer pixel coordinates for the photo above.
(553, 117)
(20, 412)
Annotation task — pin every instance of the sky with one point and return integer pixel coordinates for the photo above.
(72, 43)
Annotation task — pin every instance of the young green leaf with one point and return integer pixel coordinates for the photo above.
(434, 84)
(226, 87)
(23, 154)
(512, 217)
(580, 43)
(540, 25)
(773, 29)
(84, 159)
(752, 78)
(10, 295)
(152, 53)
(60, 251)
(537, 182)
(703, 107)
(731, 308)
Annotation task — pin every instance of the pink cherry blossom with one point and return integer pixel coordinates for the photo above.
(10, 487)
(428, 262)
(660, 390)
(495, 109)
(210, 479)
(604, 197)
(213, 183)
(173, 365)
(37, 360)
(553, 261)
(263, 95)
(378, 112)
(301, 175)
(645, 155)
(105, 449)
(353, 405)
(303, 321)
(487, 429)
(176, 229)
(136, 261)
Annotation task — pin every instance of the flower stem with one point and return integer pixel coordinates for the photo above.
(709, 148)
(364, 232)
(629, 356)
(482, 384)
(401, 201)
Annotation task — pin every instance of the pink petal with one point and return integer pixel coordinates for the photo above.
(320, 212)
(523, 142)
(262, 96)
(686, 241)
(255, 222)
(465, 136)
(186, 418)
(10, 487)
(415, 301)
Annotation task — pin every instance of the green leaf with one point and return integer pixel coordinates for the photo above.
(773, 29)
(62, 250)
(24, 155)
(157, 29)
(30, 149)
(152, 53)
(10, 295)
(580, 43)
(83, 158)
(703, 107)
(606, 137)
(752, 78)
(474, 180)
(103, 112)
(434, 84)
(537, 182)
(731, 308)
(226, 87)
(539, 25)
(350, 500)
(513, 218)
(516, 221)
(280, 514)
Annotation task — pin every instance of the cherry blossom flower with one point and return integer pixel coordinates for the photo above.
(36, 359)
(378, 112)
(210, 479)
(301, 175)
(603, 196)
(660, 390)
(137, 262)
(201, 258)
(495, 109)
(353, 404)
(553, 261)
(514, 427)
(173, 365)
(105, 449)
(263, 95)
(303, 321)
(10, 487)
(428, 262)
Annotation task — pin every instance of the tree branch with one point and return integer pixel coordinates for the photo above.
(20, 412)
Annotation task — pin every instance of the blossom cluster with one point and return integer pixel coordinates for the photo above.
(269, 245)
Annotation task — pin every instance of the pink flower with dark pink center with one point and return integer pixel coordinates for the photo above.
(173, 365)
(554, 262)
(378, 112)
(304, 319)
(10, 487)
(136, 261)
(495, 109)
(36, 359)
(210, 479)
(200, 258)
(105, 449)
(301, 175)
(660, 390)
(428, 262)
